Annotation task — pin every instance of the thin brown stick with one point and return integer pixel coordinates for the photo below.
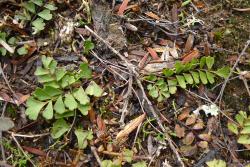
(219, 97)
(93, 149)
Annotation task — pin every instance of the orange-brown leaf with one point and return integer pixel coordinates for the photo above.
(180, 131)
(153, 53)
(152, 15)
(191, 55)
(123, 7)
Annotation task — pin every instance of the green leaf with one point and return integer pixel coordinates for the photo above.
(223, 72)
(85, 71)
(181, 81)
(52, 91)
(59, 105)
(48, 112)
(52, 66)
(30, 7)
(168, 72)
(150, 77)
(109, 163)
(127, 155)
(203, 77)
(233, 128)
(3, 51)
(82, 137)
(153, 92)
(172, 86)
(245, 130)
(216, 163)
(37, 2)
(60, 73)
(59, 128)
(53, 84)
(247, 122)
(209, 62)
(41, 71)
(240, 118)
(41, 95)
(45, 14)
(195, 76)
(140, 164)
(202, 62)
(210, 77)
(67, 80)
(70, 102)
(12, 41)
(179, 67)
(33, 108)
(94, 89)
(186, 3)
(244, 139)
(81, 96)
(188, 78)
(38, 25)
(66, 114)
(88, 45)
(84, 109)
(46, 61)
(50, 6)
(45, 78)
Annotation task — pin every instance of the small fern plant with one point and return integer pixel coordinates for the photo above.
(61, 95)
(182, 75)
(10, 43)
(242, 129)
(30, 13)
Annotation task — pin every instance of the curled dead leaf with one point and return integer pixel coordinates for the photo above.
(198, 126)
(130, 127)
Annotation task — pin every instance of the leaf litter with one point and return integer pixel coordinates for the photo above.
(100, 58)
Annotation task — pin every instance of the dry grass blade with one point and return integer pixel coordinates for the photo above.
(130, 127)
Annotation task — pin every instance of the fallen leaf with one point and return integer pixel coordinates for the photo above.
(184, 114)
(153, 53)
(180, 131)
(91, 114)
(152, 15)
(206, 137)
(143, 61)
(130, 127)
(123, 7)
(188, 150)
(203, 144)
(157, 67)
(6, 124)
(189, 138)
(189, 43)
(191, 55)
(100, 124)
(34, 151)
(198, 126)
(191, 119)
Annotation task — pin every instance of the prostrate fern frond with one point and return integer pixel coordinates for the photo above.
(59, 98)
(182, 75)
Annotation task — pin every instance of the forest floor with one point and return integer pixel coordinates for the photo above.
(125, 83)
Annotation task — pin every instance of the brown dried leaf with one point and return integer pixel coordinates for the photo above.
(130, 127)
(191, 119)
(123, 7)
(180, 131)
(92, 116)
(198, 126)
(184, 114)
(157, 67)
(191, 55)
(189, 138)
(143, 61)
(35, 151)
(189, 43)
(153, 53)
(152, 15)
(203, 144)
(188, 150)
(100, 124)
(206, 137)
